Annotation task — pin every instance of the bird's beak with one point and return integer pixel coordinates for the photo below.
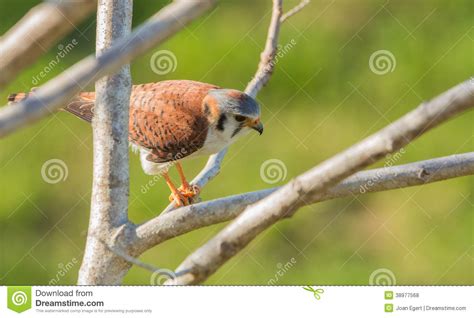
(257, 125)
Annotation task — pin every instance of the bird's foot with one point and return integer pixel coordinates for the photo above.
(179, 198)
(184, 195)
(190, 190)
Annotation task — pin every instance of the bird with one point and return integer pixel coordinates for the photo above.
(174, 120)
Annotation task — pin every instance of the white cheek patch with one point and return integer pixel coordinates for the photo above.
(244, 131)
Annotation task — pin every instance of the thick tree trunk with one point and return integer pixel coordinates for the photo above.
(110, 189)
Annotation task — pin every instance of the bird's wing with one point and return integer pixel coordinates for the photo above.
(82, 106)
(170, 136)
(166, 118)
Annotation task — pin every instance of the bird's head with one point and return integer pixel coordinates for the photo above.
(232, 112)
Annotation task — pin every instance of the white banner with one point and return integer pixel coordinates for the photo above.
(236, 301)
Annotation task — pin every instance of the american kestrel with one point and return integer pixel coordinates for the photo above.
(178, 119)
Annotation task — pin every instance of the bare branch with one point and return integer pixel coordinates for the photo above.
(130, 259)
(286, 200)
(62, 88)
(267, 58)
(189, 218)
(295, 10)
(109, 202)
(37, 32)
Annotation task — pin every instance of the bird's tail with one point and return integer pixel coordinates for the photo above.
(81, 105)
(18, 97)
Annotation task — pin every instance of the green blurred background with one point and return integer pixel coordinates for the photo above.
(322, 98)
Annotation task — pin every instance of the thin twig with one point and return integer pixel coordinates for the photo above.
(267, 58)
(295, 10)
(130, 259)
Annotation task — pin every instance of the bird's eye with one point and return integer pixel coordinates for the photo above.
(239, 118)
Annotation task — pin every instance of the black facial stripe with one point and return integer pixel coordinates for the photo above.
(236, 131)
(220, 122)
(207, 111)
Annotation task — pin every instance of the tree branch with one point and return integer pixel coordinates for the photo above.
(37, 32)
(109, 202)
(62, 88)
(295, 10)
(189, 218)
(267, 58)
(286, 200)
(130, 259)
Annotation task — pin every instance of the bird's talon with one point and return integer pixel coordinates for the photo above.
(180, 199)
(190, 191)
(196, 190)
